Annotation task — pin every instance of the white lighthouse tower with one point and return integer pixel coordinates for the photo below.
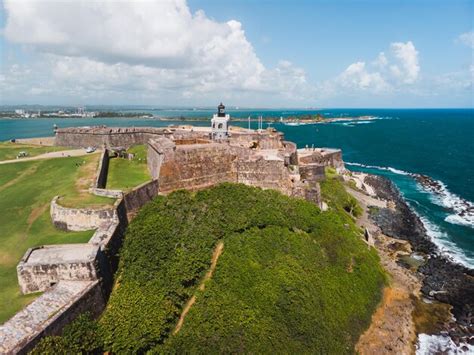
(220, 123)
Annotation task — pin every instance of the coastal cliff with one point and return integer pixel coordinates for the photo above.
(428, 287)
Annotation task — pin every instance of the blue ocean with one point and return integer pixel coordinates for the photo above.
(438, 143)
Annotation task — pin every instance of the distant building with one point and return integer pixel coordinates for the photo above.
(220, 123)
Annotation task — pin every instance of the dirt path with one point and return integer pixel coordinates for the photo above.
(51, 155)
(215, 256)
(392, 330)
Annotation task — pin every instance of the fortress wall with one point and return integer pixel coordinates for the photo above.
(326, 157)
(264, 140)
(292, 151)
(140, 195)
(197, 166)
(49, 313)
(79, 140)
(267, 174)
(312, 172)
(159, 150)
(120, 137)
(79, 219)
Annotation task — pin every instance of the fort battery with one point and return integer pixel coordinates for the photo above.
(77, 278)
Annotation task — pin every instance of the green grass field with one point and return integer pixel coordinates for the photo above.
(125, 174)
(9, 151)
(26, 190)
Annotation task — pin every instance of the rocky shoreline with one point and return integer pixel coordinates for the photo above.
(442, 280)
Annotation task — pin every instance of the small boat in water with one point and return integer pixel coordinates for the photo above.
(293, 123)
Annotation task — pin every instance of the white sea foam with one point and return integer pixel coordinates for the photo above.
(445, 246)
(385, 168)
(440, 344)
(463, 209)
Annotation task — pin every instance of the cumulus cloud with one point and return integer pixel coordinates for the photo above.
(157, 45)
(467, 38)
(408, 58)
(396, 70)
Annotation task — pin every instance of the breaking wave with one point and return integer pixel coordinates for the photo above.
(462, 212)
(385, 168)
(441, 344)
(445, 246)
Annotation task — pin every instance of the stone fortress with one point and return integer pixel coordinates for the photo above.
(78, 277)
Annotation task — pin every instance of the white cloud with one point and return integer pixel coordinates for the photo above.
(408, 58)
(381, 61)
(467, 38)
(386, 74)
(154, 45)
(356, 76)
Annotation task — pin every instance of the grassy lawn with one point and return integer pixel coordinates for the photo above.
(125, 174)
(26, 190)
(9, 151)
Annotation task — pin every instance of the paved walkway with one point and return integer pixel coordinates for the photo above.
(51, 155)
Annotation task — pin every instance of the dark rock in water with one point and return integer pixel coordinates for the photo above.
(443, 280)
(400, 223)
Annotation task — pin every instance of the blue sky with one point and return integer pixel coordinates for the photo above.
(249, 53)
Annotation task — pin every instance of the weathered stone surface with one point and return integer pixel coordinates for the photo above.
(40, 268)
(322, 156)
(49, 313)
(103, 169)
(178, 158)
(79, 219)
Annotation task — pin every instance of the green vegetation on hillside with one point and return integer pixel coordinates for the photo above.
(290, 278)
(125, 174)
(26, 190)
(9, 151)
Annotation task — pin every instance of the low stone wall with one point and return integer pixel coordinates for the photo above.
(49, 313)
(106, 192)
(42, 267)
(79, 219)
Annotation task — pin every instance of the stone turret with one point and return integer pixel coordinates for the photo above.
(220, 124)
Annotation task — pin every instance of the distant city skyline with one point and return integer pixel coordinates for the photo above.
(271, 53)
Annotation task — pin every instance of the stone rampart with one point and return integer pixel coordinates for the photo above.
(140, 195)
(322, 156)
(312, 172)
(267, 174)
(79, 219)
(49, 313)
(196, 166)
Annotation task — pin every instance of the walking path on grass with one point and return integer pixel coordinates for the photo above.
(59, 154)
(215, 256)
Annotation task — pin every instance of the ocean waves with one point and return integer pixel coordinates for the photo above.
(458, 211)
(440, 344)
(385, 168)
(463, 210)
